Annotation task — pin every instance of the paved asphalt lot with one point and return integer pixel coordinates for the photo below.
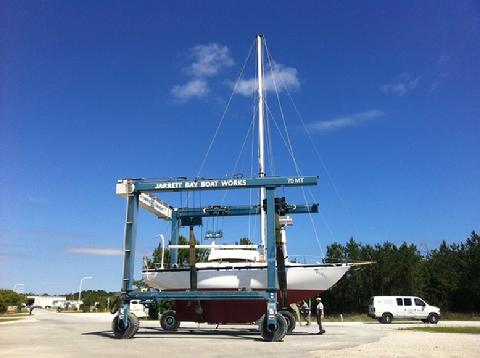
(51, 334)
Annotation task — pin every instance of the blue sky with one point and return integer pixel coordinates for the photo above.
(95, 91)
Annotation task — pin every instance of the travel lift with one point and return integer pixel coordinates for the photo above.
(138, 194)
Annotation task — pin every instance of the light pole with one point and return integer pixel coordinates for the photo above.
(80, 289)
(18, 285)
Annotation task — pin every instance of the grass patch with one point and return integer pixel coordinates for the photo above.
(9, 315)
(450, 316)
(469, 330)
(9, 319)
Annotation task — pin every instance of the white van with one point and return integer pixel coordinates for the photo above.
(386, 308)
(138, 309)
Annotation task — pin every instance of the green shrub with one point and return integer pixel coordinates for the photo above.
(10, 298)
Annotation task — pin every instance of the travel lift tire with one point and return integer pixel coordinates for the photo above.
(122, 331)
(273, 334)
(168, 321)
(290, 318)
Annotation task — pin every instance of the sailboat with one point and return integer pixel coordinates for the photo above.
(241, 267)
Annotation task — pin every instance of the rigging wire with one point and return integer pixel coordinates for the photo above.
(225, 110)
(297, 168)
(322, 162)
(300, 174)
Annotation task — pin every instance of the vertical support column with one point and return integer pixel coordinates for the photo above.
(174, 239)
(271, 258)
(129, 243)
(129, 252)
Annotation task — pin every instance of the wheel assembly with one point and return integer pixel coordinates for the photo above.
(290, 318)
(271, 332)
(125, 328)
(169, 322)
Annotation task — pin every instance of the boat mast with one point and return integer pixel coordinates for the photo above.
(261, 149)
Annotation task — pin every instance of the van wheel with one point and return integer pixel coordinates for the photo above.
(387, 318)
(433, 318)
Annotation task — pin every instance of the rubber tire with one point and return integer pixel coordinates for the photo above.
(168, 321)
(387, 318)
(290, 318)
(433, 318)
(125, 332)
(276, 335)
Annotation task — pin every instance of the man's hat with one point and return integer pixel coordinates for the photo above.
(319, 299)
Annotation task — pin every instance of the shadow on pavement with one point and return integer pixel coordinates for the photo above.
(150, 332)
(153, 332)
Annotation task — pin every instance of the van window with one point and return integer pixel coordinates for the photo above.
(399, 302)
(419, 302)
(407, 301)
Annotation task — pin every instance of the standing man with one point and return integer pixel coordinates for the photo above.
(305, 311)
(320, 315)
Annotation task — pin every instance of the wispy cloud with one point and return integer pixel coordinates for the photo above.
(402, 84)
(207, 61)
(96, 251)
(194, 88)
(348, 120)
(281, 77)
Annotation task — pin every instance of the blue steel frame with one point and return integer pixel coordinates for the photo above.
(173, 185)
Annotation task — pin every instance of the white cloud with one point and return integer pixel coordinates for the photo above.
(209, 59)
(283, 77)
(193, 88)
(401, 85)
(96, 251)
(348, 120)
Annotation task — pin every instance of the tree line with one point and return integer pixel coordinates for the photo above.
(447, 277)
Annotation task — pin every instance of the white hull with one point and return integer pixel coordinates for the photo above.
(246, 277)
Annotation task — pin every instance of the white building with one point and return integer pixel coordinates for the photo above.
(46, 301)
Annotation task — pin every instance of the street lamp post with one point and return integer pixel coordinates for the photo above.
(80, 289)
